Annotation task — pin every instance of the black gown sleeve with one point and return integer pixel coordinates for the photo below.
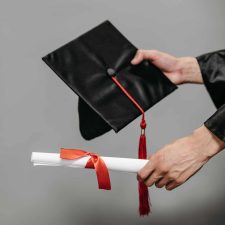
(212, 66)
(216, 123)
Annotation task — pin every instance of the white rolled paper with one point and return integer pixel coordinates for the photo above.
(112, 163)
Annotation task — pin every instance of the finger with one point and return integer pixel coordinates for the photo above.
(137, 58)
(146, 171)
(180, 180)
(153, 178)
(172, 185)
(151, 55)
(162, 182)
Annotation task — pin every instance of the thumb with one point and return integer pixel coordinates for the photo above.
(145, 54)
(137, 58)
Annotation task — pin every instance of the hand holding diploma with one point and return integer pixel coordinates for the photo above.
(175, 163)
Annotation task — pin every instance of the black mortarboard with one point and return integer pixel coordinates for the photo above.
(85, 64)
(112, 92)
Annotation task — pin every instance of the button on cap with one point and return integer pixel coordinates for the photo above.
(111, 72)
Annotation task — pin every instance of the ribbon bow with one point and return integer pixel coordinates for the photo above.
(95, 162)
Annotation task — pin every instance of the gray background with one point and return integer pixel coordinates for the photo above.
(38, 112)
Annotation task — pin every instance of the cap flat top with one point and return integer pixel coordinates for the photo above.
(86, 64)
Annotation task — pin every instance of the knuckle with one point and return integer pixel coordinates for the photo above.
(160, 157)
(150, 182)
(179, 180)
(163, 168)
(140, 51)
(156, 158)
(147, 183)
(156, 176)
(172, 176)
(141, 174)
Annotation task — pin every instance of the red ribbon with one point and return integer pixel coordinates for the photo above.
(95, 162)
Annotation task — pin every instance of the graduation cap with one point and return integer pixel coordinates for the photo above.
(112, 92)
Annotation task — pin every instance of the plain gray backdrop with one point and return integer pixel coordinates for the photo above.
(38, 112)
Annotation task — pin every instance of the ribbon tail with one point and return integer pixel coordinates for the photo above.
(102, 175)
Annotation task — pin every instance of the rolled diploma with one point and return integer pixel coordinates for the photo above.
(112, 163)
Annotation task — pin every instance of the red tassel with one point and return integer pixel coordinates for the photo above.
(144, 200)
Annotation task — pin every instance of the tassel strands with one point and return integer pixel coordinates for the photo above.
(144, 200)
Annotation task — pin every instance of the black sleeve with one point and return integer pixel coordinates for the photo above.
(212, 67)
(216, 123)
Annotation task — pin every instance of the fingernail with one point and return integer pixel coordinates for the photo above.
(169, 188)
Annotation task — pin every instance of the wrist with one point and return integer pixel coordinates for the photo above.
(190, 70)
(208, 143)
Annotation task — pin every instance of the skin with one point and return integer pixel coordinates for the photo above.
(175, 163)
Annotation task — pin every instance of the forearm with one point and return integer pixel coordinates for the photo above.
(206, 141)
(190, 70)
